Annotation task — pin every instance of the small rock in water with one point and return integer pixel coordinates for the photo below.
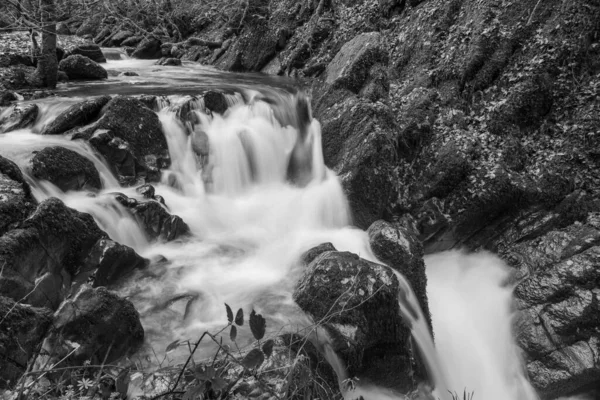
(215, 102)
(129, 73)
(169, 61)
(146, 190)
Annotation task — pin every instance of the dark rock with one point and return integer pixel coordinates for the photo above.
(77, 115)
(66, 169)
(13, 59)
(63, 29)
(91, 51)
(117, 39)
(128, 119)
(358, 144)
(350, 67)
(400, 249)
(80, 67)
(105, 326)
(118, 154)
(103, 34)
(157, 221)
(146, 190)
(558, 295)
(90, 26)
(169, 61)
(255, 47)
(148, 48)
(359, 301)
(149, 101)
(22, 116)
(62, 76)
(16, 202)
(54, 239)
(6, 98)
(316, 251)
(132, 41)
(108, 262)
(22, 329)
(129, 73)
(215, 102)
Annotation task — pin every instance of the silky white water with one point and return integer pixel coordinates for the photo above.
(249, 226)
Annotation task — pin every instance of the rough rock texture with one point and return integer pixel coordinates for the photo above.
(105, 326)
(398, 247)
(350, 66)
(77, 115)
(157, 221)
(118, 153)
(90, 26)
(65, 168)
(108, 262)
(21, 116)
(91, 51)
(22, 328)
(80, 67)
(52, 243)
(215, 102)
(169, 61)
(62, 28)
(358, 145)
(359, 302)
(148, 48)
(132, 41)
(16, 202)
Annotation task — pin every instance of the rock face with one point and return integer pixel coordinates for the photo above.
(358, 144)
(22, 328)
(66, 169)
(118, 153)
(77, 115)
(558, 296)
(81, 67)
(359, 301)
(16, 202)
(398, 247)
(351, 65)
(91, 51)
(50, 245)
(104, 326)
(148, 49)
(22, 116)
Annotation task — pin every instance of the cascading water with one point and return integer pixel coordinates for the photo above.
(249, 225)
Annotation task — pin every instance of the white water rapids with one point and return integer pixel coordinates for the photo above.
(250, 225)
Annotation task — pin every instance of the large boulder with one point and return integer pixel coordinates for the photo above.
(102, 326)
(80, 67)
(16, 202)
(359, 145)
(357, 303)
(21, 116)
(51, 244)
(351, 65)
(91, 51)
(118, 38)
(398, 246)
(66, 169)
(127, 118)
(215, 102)
(22, 329)
(148, 49)
(77, 115)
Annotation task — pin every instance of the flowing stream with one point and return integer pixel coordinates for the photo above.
(249, 226)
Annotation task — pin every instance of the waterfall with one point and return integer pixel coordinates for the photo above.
(253, 188)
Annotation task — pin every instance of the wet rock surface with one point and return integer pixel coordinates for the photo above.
(103, 325)
(16, 202)
(22, 328)
(66, 169)
(21, 116)
(369, 333)
(77, 115)
(81, 67)
(148, 48)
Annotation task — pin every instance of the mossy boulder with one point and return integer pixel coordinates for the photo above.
(148, 49)
(81, 67)
(66, 169)
(91, 51)
(78, 114)
(357, 303)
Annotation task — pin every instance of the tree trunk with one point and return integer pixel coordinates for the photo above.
(47, 67)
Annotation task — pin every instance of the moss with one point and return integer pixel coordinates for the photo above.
(65, 168)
